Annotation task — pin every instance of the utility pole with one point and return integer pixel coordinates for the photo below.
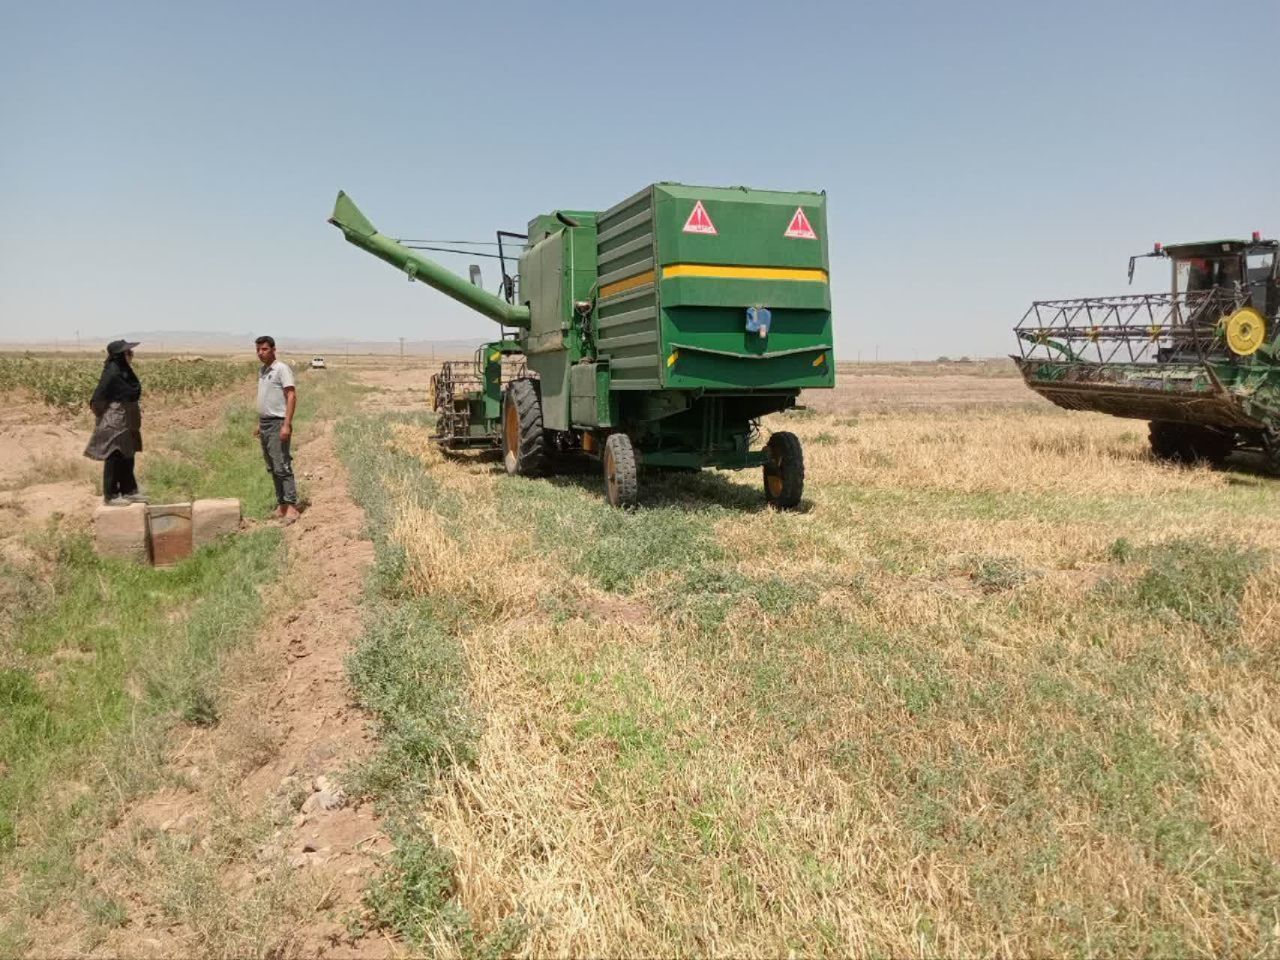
(402, 349)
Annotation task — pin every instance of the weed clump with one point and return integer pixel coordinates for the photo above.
(409, 674)
(417, 888)
(1194, 581)
(995, 574)
(416, 898)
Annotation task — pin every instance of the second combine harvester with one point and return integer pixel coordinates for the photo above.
(655, 334)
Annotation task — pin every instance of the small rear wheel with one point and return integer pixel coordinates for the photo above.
(783, 471)
(523, 442)
(620, 481)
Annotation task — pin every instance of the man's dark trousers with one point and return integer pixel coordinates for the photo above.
(279, 463)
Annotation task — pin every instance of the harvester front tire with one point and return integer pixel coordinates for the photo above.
(1184, 443)
(783, 471)
(621, 485)
(524, 451)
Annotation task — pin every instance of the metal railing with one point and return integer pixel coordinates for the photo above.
(453, 387)
(1132, 328)
(449, 390)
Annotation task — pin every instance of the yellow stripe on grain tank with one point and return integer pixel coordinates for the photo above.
(721, 272)
(639, 280)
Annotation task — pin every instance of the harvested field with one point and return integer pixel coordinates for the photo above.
(921, 387)
(1000, 687)
(1003, 685)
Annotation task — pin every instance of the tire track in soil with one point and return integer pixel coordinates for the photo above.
(289, 720)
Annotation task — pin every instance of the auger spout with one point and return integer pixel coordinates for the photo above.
(355, 226)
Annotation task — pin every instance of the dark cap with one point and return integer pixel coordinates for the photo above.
(120, 346)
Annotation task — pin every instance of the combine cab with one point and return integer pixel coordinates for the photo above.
(1201, 362)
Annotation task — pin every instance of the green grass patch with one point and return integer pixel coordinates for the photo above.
(99, 658)
(1195, 581)
(120, 643)
(407, 670)
(415, 896)
(226, 460)
(618, 550)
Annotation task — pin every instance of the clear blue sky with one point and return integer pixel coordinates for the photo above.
(170, 165)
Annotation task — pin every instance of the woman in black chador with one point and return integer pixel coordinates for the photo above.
(117, 434)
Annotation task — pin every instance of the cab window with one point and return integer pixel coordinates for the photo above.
(1259, 265)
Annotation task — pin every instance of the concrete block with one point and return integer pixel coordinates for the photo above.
(122, 532)
(170, 532)
(211, 519)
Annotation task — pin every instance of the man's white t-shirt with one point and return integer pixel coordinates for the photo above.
(271, 383)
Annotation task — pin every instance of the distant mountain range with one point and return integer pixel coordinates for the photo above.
(187, 341)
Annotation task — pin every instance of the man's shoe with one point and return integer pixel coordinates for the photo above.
(116, 501)
(136, 498)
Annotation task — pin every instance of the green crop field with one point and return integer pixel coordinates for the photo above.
(68, 382)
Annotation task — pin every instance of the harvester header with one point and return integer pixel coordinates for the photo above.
(653, 334)
(1200, 360)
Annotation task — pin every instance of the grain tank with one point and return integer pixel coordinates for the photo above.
(652, 335)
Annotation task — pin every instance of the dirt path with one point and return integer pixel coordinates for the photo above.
(251, 848)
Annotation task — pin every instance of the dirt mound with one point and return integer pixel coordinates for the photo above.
(39, 441)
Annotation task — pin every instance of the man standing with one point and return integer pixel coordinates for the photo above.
(277, 398)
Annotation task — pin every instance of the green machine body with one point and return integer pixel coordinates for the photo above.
(654, 334)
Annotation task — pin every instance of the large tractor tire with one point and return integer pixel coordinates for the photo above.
(524, 450)
(621, 485)
(1185, 443)
(783, 471)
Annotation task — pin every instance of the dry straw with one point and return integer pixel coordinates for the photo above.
(952, 727)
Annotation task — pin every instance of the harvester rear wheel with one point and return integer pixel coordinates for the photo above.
(523, 441)
(621, 485)
(783, 471)
(1185, 443)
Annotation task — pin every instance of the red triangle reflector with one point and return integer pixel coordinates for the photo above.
(799, 227)
(699, 222)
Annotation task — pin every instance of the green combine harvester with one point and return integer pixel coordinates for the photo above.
(1201, 362)
(652, 335)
